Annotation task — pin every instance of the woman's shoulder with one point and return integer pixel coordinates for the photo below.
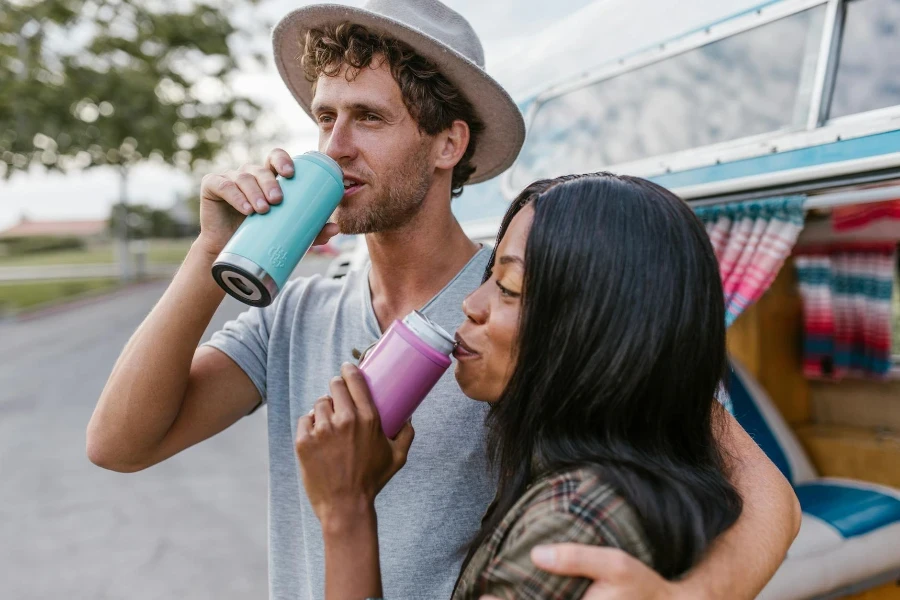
(586, 506)
(575, 505)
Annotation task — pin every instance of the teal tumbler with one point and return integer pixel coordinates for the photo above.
(258, 259)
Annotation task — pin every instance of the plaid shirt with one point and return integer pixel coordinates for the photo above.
(572, 506)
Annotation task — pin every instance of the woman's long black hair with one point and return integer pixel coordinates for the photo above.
(621, 348)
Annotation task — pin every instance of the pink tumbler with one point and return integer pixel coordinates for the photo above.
(403, 367)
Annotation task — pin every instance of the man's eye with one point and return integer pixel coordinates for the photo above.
(325, 119)
(372, 118)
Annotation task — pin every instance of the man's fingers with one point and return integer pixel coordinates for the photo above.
(268, 184)
(280, 163)
(592, 562)
(329, 231)
(251, 189)
(220, 187)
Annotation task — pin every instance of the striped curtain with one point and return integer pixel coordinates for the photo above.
(846, 291)
(752, 241)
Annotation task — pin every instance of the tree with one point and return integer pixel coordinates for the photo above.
(86, 83)
(114, 82)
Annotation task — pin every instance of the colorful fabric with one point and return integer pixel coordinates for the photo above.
(848, 218)
(572, 506)
(846, 291)
(751, 241)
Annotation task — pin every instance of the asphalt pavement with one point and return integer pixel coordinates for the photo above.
(191, 527)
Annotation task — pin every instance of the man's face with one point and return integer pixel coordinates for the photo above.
(365, 126)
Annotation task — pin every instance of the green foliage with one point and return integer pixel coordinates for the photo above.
(21, 246)
(19, 296)
(86, 83)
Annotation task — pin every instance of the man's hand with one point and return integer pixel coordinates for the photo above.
(226, 199)
(617, 575)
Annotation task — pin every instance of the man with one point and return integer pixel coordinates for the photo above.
(403, 104)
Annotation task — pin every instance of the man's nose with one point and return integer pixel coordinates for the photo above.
(339, 143)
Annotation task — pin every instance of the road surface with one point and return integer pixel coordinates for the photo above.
(192, 527)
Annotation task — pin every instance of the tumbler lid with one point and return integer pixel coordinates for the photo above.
(430, 332)
(324, 161)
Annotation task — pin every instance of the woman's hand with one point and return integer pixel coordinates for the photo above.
(345, 458)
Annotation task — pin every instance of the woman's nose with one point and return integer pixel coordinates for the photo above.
(475, 306)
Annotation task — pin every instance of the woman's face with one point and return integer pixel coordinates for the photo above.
(487, 339)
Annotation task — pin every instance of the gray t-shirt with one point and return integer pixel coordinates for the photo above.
(430, 510)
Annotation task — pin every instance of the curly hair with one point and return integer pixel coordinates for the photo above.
(429, 97)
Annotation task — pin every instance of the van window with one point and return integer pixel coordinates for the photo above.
(480, 201)
(754, 82)
(867, 69)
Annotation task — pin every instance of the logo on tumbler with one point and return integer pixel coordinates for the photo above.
(278, 256)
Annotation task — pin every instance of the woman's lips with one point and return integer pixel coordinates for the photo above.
(463, 351)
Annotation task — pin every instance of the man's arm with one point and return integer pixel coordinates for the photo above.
(740, 562)
(164, 393)
(744, 558)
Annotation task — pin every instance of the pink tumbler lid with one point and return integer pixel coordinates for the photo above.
(430, 332)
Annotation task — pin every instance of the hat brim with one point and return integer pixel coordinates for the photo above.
(504, 128)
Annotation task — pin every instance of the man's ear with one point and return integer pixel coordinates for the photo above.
(451, 144)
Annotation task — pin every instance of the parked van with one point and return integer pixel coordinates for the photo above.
(779, 122)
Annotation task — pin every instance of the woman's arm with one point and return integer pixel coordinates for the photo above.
(345, 460)
(740, 562)
(352, 567)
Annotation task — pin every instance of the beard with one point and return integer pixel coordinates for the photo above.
(397, 199)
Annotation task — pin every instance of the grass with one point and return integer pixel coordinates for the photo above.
(159, 252)
(18, 296)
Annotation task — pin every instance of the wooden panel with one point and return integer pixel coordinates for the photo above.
(781, 331)
(853, 452)
(767, 340)
(857, 403)
(889, 591)
(743, 340)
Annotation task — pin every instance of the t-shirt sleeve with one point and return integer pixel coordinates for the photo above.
(511, 574)
(246, 341)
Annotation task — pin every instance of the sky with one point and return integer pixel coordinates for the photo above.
(522, 49)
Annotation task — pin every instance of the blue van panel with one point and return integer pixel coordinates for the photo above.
(852, 511)
(831, 153)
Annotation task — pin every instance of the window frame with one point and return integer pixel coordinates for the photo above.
(818, 128)
(885, 113)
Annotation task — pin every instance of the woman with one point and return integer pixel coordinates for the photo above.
(598, 337)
